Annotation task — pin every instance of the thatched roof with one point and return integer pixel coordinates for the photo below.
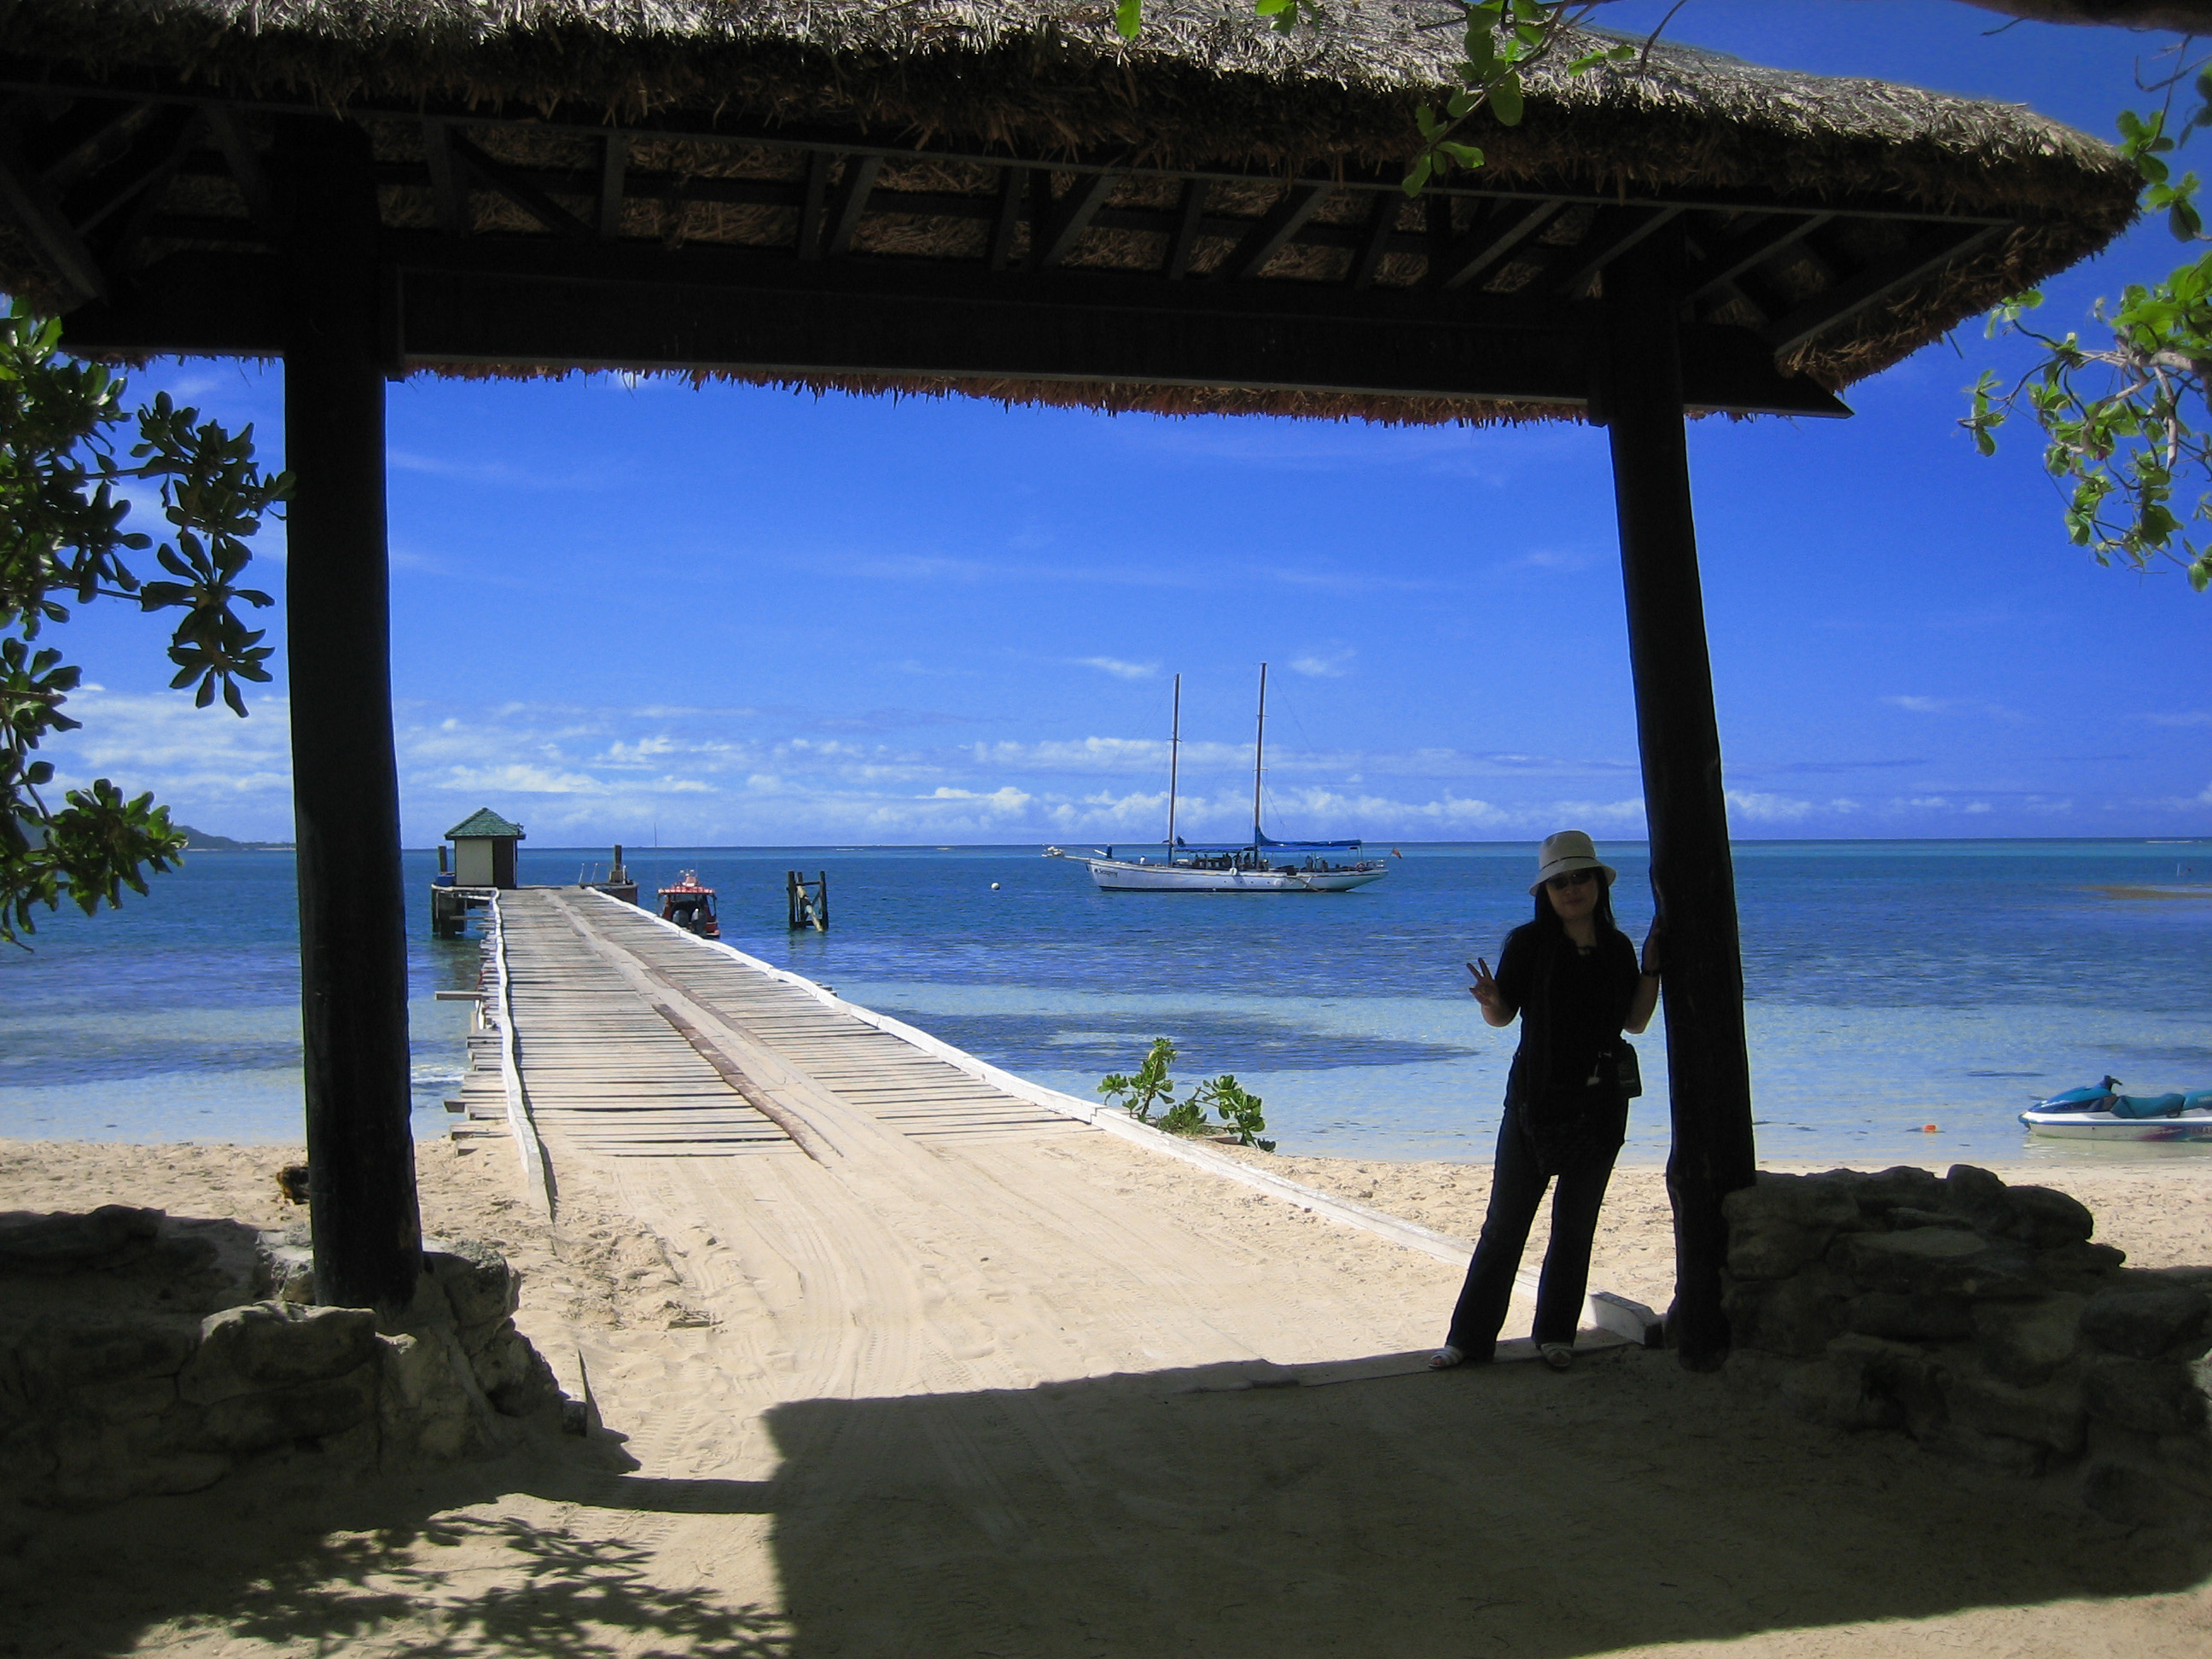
(1206, 87)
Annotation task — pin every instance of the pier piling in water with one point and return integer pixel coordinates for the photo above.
(808, 902)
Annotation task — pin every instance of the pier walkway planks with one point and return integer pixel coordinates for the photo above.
(634, 1040)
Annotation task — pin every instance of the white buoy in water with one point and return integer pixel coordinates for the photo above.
(994, 886)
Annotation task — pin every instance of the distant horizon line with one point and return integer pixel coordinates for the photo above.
(634, 851)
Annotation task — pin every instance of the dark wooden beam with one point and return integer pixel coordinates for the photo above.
(1281, 222)
(1930, 251)
(1374, 240)
(850, 202)
(153, 152)
(814, 199)
(635, 305)
(613, 162)
(32, 208)
(1722, 262)
(68, 147)
(1495, 235)
(1693, 873)
(1611, 233)
(1006, 216)
(509, 181)
(449, 190)
(346, 789)
(145, 198)
(244, 162)
(1190, 220)
(1070, 217)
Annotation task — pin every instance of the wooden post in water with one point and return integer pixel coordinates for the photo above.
(353, 954)
(821, 902)
(1692, 875)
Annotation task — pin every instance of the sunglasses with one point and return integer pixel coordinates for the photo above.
(1572, 879)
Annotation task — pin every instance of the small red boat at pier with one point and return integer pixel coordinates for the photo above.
(691, 906)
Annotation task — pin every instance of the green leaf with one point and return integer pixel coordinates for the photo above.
(1505, 100)
(1129, 18)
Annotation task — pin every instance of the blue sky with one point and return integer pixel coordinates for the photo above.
(740, 615)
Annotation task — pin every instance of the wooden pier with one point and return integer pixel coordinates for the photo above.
(636, 1039)
(606, 1032)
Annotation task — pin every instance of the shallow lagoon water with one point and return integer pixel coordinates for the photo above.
(1890, 985)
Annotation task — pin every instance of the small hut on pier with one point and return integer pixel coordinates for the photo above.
(998, 198)
(483, 850)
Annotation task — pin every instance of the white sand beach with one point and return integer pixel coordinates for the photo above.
(843, 1419)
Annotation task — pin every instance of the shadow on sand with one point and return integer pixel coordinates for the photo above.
(1504, 1511)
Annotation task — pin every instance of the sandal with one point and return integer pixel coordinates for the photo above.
(1445, 1357)
(1557, 1355)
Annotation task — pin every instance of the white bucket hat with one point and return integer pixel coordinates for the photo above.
(1565, 853)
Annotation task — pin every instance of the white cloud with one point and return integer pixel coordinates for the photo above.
(1333, 666)
(1119, 669)
(1957, 706)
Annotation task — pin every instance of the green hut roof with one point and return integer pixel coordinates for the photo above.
(742, 119)
(483, 823)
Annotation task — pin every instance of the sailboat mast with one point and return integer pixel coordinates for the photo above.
(1259, 753)
(1175, 754)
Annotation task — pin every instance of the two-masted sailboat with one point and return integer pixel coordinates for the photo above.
(1262, 864)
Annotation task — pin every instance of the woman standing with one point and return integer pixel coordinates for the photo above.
(1572, 977)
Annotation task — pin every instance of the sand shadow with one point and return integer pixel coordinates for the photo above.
(439, 1565)
(1508, 1510)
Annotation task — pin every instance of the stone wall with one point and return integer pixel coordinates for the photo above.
(140, 1352)
(1983, 1320)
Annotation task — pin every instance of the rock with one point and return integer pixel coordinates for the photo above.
(514, 1376)
(2002, 1452)
(275, 1344)
(2050, 1415)
(2148, 1395)
(479, 1285)
(432, 1409)
(133, 1397)
(57, 1356)
(2077, 1267)
(1838, 1391)
(305, 1410)
(1936, 1317)
(33, 1243)
(2044, 1218)
(1979, 1195)
(2131, 1497)
(1791, 1316)
(1878, 1194)
(1767, 1247)
(1906, 1216)
(2144, 1324)
(1909, 1378)
(2024, 1342)
(1934, 1259)
(1814, 1201)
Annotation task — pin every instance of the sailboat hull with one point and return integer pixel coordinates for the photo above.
(1119, 876)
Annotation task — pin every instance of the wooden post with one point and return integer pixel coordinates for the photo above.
(1693, 876)
(822, 905)
(345, 792)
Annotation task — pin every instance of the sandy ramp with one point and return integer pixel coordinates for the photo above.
(887, 1444)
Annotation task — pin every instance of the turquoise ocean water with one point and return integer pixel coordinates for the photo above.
(1891, 985)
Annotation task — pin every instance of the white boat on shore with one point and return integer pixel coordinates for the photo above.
(1262, 864)
(2100, 1112)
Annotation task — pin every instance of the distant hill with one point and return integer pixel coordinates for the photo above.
(199, 841)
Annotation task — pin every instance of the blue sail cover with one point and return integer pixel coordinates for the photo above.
(1265, 842)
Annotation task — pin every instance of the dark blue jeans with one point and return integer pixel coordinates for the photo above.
(1516, 1189)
